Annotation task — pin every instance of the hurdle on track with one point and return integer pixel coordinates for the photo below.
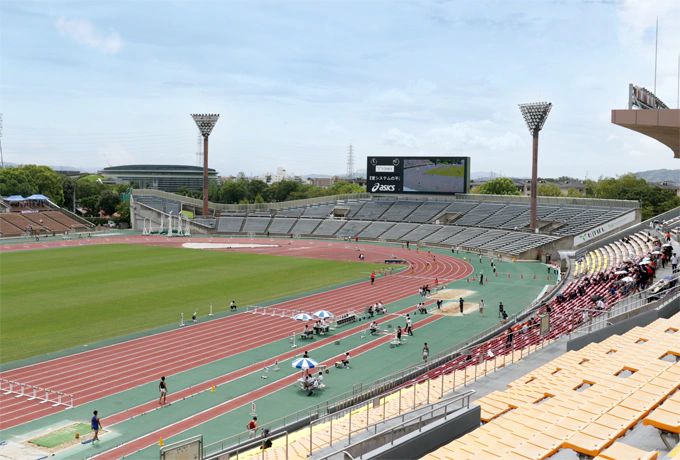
(31, 392)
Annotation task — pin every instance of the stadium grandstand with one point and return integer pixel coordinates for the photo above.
(486, 224)
(36, 215)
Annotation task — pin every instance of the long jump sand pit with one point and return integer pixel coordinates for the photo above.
(227, 246)
(452, 308)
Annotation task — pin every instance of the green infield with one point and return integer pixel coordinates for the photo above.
(452, 171)
(60, 298)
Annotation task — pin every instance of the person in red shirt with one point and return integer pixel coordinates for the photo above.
(252, 427)
(373, 278)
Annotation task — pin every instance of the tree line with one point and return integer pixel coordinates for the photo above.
(241, 190)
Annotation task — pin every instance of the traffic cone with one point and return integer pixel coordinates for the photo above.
(521, 276)
(77, 436)
(534, 277)
(487, 279)
(160, 443)
(548, 277)
(212, 390)
(508, 275)
(496, 275)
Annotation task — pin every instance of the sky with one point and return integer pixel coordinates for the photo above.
(94, 83)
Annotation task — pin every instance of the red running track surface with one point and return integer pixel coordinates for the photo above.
(101, 372)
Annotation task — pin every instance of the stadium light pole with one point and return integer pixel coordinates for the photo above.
(206, 123)
(535, 115)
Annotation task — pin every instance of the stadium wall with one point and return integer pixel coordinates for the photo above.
(417, 443)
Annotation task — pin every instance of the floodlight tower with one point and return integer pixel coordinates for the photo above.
(535, 115)
(206, 123)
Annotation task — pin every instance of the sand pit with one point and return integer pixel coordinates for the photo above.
(450, 294)
(227, 246)
(452, 307)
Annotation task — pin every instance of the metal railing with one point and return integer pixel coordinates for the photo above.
(419, 418)
(559, 200)
(253, 206)
(440, 405)
(238, 450)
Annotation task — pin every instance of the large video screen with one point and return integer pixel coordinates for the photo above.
(423, 175)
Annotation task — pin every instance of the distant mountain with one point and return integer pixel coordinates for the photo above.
(660, 175)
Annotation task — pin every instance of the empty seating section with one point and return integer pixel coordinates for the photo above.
(17, 220)
(479, 213)
(45, 223)
(461, 207)
(422, 232)
(319, 211)
(352, 229)
(372, 210)
(328, 227)
(256, 224)
(486, 237)
(584, 400)
(375, 229)
(63, 219)
(354, 207)
(281, 225)
(229, 224)
(443, 234)
(164, 205)
(400, 210)
(427, 211)
(503, 215)
(465, 235)
(290, 212)
(530, 241)
(399, 230)
(523, 219)
(586, 220)
(8, 228)
(305, 226)
(510, 238)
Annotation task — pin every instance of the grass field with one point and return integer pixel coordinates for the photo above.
(452, 171)
(56, 299)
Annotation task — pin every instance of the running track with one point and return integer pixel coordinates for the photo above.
(98, 373)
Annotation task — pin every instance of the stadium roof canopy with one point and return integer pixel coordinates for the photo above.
(662, 125)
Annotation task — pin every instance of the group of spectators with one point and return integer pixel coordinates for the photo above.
(320, 326)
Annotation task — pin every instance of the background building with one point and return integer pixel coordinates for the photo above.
(281, 175)
(167, 178)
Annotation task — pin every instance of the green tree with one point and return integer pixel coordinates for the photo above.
(123, 209)
(108, 201)
(345, 188)
(549, 190)
(232, 191)
(48, 182)
(255, 188)
(69, 187)
(574, 193)
(259, 199)
(280, 191)
(499, 186)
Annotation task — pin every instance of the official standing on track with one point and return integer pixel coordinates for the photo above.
(163, 389)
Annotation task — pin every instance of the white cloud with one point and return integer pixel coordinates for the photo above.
(399, 138)
(333, 127)
(391, 96)
(469, 135)
(85, 33)
(423, 87)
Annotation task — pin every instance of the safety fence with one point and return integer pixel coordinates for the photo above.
(45, 395)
